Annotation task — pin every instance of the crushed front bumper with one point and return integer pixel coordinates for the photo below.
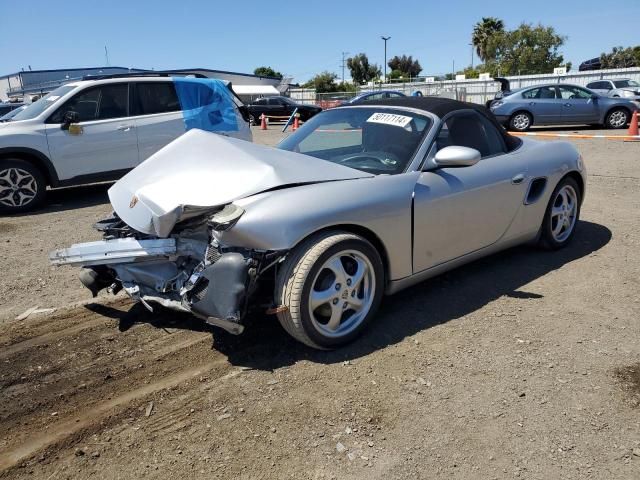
(118, 250)
(212, 285)
(182, 273)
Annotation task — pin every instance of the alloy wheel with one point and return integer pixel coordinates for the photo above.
(521, 121)
(563, 213)
(17, 187)
(618, 119)
(342, 293)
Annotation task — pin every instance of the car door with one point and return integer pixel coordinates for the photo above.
(578, 106)
(105, 139)
(158, 116)
(278, 107)
(288, 106)
(258, 107)
(543, 103)
(460, 210)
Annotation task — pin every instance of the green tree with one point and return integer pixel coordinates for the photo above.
(407, 66)
(324, 82)
(483, 31)
(620, 57)
(526, 50)
(267, 72)
(361, 70)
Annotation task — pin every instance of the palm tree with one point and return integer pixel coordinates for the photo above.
(482, 33)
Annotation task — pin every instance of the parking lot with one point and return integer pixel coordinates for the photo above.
(518, 365)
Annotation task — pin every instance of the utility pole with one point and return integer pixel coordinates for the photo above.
(106, 55)
(471, 55)
(385, 55)
(343, 63)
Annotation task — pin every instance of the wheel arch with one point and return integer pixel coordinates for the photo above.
(615, 107)
(578, 179)
(522, 110)
(361, 231)
(34, 157)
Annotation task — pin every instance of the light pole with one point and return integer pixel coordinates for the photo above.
(343, 55)
(385, 56)
(471, 44)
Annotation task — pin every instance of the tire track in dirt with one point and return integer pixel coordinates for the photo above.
(65, 322)
(77, 423)
(89, 374)
(46, 338)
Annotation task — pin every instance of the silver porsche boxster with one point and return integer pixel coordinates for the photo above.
(360, 202)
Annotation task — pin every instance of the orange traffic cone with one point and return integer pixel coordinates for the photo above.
(263, 123)
(633, 126)
(296, 122)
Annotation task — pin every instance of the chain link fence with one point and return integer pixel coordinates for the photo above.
(470, 90)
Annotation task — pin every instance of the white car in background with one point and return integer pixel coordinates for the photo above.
(623, 88)
(99, 129)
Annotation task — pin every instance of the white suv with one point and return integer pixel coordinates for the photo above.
(97, 130)
(624, 88)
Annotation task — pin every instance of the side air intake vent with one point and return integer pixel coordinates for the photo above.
(536, 189)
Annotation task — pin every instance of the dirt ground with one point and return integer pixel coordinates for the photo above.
(524, 364)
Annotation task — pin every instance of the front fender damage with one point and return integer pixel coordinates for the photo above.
(220, 293)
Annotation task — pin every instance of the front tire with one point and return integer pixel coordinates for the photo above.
(22, 186)
(520, 121)
(331, 285)
(617, 118)
(562, 215)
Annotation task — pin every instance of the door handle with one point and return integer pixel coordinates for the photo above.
(532, 103)
(567, 104)
(518, 179)
(125, 128)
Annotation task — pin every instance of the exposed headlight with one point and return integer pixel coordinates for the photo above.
(226, 218)
(628, 93)
(495, 105)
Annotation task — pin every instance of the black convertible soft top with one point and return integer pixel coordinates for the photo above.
(443, 106)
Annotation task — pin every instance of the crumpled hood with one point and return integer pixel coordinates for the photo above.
(202, 171)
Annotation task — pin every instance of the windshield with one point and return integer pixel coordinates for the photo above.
(12, 113)
(625, 83)
(39, 106)
(374, 140)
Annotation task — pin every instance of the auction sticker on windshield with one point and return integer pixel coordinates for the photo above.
(390, 119)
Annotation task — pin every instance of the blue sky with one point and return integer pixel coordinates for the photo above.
(298, 39)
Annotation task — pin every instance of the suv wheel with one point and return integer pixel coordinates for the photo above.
(22, 186)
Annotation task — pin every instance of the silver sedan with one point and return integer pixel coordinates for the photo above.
(362, 201)
(560, 104)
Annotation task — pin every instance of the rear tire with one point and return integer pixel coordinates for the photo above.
(520, 121)
(22, 186)
(617, 118)
(331, 285)
(562, 215)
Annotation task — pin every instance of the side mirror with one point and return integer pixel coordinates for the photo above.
(69, 118)
(457, 156)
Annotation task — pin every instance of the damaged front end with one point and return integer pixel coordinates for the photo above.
(187, 271)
